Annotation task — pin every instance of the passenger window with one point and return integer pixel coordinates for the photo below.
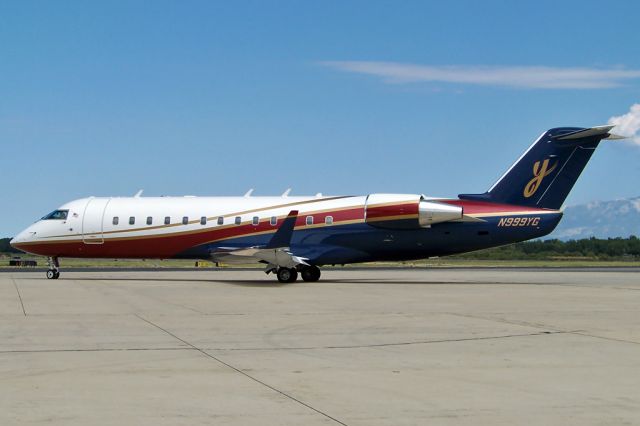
(273, 221)
(221, 220)
(149, 220)
(328, 220)
(167, 220)
(115, 220)
(185, 220)
(309, 220)
(256, 221)
(132, 220)
(238, 220)
(203, 220)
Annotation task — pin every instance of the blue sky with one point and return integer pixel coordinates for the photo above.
(214, 98)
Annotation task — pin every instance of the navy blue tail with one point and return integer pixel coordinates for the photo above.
(547, 171)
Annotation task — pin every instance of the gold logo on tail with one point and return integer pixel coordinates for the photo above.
(540, 171)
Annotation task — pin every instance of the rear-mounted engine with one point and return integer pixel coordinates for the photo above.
(407, 211)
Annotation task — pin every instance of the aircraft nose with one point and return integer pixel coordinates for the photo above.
(18, 239)
(15, 243)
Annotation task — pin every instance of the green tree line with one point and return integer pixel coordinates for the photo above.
(5, 247)
(588, 248)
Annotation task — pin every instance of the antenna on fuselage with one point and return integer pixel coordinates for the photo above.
(285, 194)
(138, 194)
(248, 193)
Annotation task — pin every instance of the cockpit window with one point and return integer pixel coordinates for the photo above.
(57, 214)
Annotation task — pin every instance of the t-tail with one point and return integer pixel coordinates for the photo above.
(544, 175)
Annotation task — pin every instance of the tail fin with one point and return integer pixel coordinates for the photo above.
(546, 172)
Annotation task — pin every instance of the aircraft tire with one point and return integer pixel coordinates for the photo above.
(287, 275)
(310, 273)
(52, 274)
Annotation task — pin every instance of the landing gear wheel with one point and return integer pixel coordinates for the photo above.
(54, 268)
(287, 275)
(310, 274)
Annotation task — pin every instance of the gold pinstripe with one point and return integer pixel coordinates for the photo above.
(304, 226)
(193, 222)
(209, 229)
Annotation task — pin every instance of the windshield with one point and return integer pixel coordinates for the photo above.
(56, 214)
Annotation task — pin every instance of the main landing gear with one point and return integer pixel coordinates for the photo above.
(289, 275)
(310, 273)
(53, 273)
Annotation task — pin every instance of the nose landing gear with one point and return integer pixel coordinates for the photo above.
(53, 273)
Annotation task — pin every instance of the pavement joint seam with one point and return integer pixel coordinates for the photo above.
(237, 370)
(110, 293)
(381, 345)
(543, 327)
(289, 348)
(517, 323)
(19, 296)
(613, 339)
(31, 351)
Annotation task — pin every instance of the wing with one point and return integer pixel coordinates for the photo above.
(275, 253)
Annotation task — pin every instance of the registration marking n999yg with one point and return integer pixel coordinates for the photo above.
(519, 221)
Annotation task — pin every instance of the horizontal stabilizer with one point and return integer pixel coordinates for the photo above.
(590, 132)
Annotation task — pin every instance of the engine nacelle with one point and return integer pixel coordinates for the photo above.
(407, 211)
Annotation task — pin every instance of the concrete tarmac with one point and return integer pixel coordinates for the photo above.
(365, 347)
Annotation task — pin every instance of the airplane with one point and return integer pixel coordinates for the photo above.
(297, 235)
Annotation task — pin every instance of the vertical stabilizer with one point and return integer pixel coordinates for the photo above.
(545, 174)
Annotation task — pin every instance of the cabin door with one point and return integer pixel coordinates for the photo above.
(93, 220)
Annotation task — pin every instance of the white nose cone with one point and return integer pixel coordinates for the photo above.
(22, 237)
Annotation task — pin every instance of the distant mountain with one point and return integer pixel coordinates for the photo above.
(600, 219)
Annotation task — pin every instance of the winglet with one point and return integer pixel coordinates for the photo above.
(282, 237)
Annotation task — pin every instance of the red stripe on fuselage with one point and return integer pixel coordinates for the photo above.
(162, 246)
(169, 244)
(392, 210)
